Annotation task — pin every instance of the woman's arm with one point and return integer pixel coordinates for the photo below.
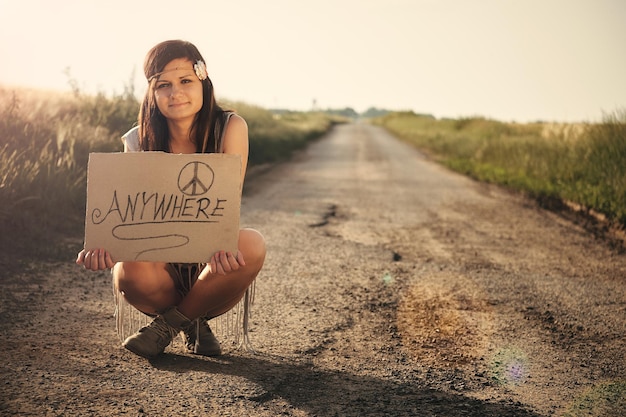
(236, 141)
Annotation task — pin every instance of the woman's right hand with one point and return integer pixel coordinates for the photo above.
(95, 259)
(224, 262)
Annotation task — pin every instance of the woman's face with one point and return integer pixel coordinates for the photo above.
(178, 91)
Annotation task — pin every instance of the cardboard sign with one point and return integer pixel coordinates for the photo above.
(156, 206)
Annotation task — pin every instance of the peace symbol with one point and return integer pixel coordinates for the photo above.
(195, 178)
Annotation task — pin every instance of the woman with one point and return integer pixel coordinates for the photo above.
(179, 114)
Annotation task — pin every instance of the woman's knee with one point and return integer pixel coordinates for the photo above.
(146, 277)
(252, 245)
(146, 285)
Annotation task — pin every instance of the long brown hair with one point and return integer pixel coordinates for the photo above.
(208, 125)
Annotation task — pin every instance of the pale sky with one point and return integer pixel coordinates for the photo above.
(511, 60)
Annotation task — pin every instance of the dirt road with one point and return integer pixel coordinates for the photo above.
(392, 287)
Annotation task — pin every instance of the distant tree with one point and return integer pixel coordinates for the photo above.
(345, 112)
(374, 112)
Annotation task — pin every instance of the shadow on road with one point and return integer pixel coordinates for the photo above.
(323, 392)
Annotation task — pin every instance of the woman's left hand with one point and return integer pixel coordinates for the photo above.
(224, 262)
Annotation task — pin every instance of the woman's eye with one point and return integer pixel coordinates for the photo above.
(186, 81)
(160, 86)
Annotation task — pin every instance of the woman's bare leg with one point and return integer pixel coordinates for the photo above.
(214, 294)
(147, 286)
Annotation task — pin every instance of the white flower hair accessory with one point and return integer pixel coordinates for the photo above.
(200, 68)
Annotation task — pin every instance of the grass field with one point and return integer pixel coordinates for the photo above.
(46, 138)
(579, 163)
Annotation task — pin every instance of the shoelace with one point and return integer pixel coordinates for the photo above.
(199, 327)
(161, 328)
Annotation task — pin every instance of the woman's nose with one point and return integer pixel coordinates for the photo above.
(175, 90)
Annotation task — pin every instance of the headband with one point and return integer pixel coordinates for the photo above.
(199, 68)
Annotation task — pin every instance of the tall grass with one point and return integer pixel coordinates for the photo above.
(581, 163)
(45, 141)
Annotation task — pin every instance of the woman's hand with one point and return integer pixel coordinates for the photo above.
(95, 259)
(225, 262)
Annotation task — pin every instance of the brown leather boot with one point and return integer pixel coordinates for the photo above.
(199, 339)
(151, 340)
